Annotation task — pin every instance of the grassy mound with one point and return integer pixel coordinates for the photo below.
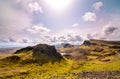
(41, 54)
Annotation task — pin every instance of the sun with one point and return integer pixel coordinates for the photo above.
(58, 5)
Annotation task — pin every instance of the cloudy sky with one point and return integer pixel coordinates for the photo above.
(29, 22)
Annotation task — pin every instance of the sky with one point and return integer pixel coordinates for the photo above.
(30, 22)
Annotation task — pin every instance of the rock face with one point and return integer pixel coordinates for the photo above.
(114, 47)
(102, 43)
(92, 49)
(13, 58)
(67, 45)
(88, 43)
(99, 75)
(42, 53)
(24, 49)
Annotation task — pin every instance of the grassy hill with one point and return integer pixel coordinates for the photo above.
(94, 59)
(102, 42)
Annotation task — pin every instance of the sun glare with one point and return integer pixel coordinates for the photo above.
(58, 5)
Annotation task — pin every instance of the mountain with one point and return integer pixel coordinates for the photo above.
(101, 42)
(40, 53)
(94, 59)
(100, 49)
(65, 45)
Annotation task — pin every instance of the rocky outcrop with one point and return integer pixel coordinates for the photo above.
(115, 47)
(12, 58)
(101, 42)
(92, 75)
(24, 49)
(67, 45)
(88, 43)
(41, 53)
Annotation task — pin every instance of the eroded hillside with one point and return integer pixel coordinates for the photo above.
(94, 59)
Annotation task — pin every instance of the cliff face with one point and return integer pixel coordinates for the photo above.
(40, 53)
(99, 50)
(88, 43)
(67, 45)
(45, 53)
(101, 42)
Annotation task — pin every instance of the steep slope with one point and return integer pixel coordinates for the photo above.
(84, 62)
(101, 42)
(40, 53)
(66, 45)
(100, 50)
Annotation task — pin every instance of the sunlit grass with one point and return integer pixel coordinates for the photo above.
(59, 69)
(63, 69)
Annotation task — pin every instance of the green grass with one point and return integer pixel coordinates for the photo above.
(58, 69)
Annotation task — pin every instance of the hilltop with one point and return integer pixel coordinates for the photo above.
(99, 49)
(101, 42)
(40, 54)
(93, 59)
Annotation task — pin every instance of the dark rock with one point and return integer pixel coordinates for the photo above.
(23, 49)
(98, 49)
(114, 47)
(88, 43)
(67, 45)
(101, 42)
(105, 60)
(41, 53)
(110, 54)
(45, 53)
(118, 50)
(99, 75)
(13, 58)
(68, 56)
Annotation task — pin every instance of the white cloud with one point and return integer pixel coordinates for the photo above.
(26, 40)
(30, 6)
(12, 21)
(89, 16)
(35, 7)
(16, 40)
(75, 25)
(38, 29)
(73, 39)
(97, 5)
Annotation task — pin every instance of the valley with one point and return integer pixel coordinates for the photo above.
(94, 59)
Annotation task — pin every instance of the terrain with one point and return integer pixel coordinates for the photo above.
(94, 59)
(7, 51)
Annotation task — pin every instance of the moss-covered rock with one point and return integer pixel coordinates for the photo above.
(41, 53)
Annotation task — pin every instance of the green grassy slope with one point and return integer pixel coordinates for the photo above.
(98, 62)
(64, 69)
